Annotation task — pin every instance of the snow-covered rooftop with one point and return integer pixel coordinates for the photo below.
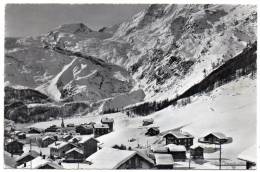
(249, 154)
(110, 158)
(31, 153)
(107, 120)
(163, 159)
(58, 144)
(180, 134)
(101, 126)
(175, 148)
(38, 162)
(47, 137)
(74, 149)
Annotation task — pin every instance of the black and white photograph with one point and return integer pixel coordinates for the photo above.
(144, 86)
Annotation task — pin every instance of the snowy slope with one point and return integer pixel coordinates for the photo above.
(230, 109)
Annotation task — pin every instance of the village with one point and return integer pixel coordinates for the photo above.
(71, 146)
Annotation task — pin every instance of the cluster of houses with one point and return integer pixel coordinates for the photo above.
(79, 144)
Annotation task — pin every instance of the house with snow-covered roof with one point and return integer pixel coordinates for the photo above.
(108, 121)
(215, 138)
(110, 158)
(100, 129)
(163, 161)
(26, 157)
(74, 155)
(59, 148)
(179, 138)
(197, 152)
(178, 152)
(47, 140)
(40, 163)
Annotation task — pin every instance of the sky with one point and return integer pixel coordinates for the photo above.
(35, 19)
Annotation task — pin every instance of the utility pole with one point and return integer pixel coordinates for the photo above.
(220, 155)
(189, 160)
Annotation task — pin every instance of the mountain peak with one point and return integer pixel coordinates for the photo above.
(74, 28)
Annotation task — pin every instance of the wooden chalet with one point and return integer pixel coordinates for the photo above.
(84, 129)
(26, 157)
(178, 151)
(153, 131)
(197, 152)
(89, 145)
(163, 161)
(109, 122)
(59, 148)
(34, 130)
(47, 140)
(110, 158)
(14, 147)
(74, 155)
(214, 138)
(100, 129)
(179, 138)
(148, 121)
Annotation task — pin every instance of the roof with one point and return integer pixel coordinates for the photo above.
(195, 146)
(180, 134)
(148, 120)
(159, 149)
(110, 158)
(101, 126)
(86, 138)
(39, 162)
(34, 128)
(249, 154)
(47, 137)
(31, 153)
(154, 128)
(76, 150)
(176, 148)
(21, 133)
(12, 141)
(163, 159)
(58, 144)
(106, 119)
(218, 135)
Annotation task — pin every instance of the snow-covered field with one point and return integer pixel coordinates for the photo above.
(230, 109)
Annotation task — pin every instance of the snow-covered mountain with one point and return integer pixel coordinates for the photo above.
(158, 53)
